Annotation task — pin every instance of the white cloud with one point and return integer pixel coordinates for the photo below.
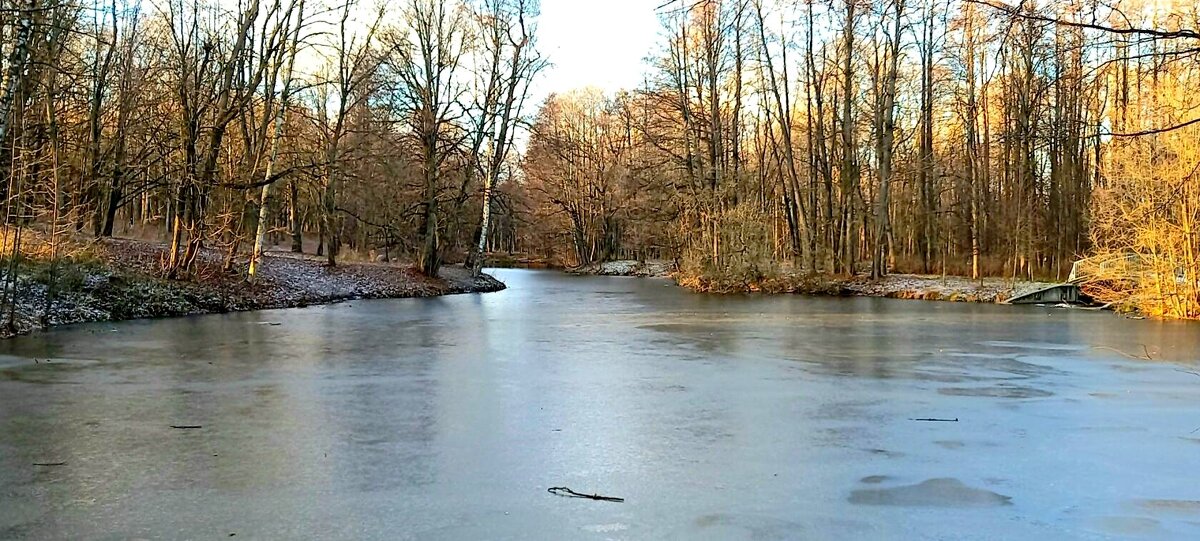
(595, 43)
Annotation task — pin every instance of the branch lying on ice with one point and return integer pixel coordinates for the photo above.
(568, 493)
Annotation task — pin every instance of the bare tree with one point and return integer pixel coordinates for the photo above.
(294, 22)
(884, 144)
(429, 48)
(508, 40)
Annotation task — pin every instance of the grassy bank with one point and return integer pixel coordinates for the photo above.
(112, 280)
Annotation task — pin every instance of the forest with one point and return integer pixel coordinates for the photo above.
(770, 138)
(219, 125)
(964, 137)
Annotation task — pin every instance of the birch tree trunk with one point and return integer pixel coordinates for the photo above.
(16, 66)
(280, 117)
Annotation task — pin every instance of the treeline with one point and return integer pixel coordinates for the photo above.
(228, 125)
(844, 136)
(771, 137)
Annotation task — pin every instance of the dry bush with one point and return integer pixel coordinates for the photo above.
(731, 251)
(1145, 228)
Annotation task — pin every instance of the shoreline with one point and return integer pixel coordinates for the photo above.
(935, 288)
(892, 286)
(626, 267)
(119, 282)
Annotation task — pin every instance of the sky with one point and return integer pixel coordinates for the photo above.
(598, 43)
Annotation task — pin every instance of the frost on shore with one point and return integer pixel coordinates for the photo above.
(122, 283)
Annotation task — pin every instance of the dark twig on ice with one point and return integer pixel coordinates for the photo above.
(932, 420)
(568, 493)
(49, 463)
(186, 427)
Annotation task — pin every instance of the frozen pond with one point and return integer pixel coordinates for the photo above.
(740, 417)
